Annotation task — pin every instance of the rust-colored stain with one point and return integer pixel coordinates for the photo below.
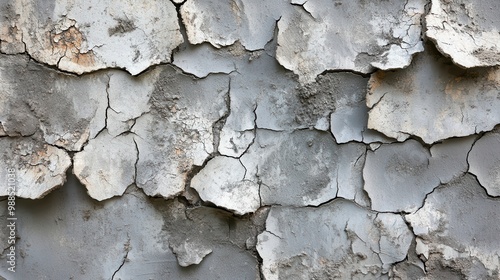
(375, 81)
(69, 43)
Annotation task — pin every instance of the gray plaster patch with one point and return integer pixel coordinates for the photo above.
(68, 110)
(434, 99)
(475, 25)
(399, 176)
(35, 167)
(325, 35)
(304, 167)
(455, 230)
(484, 161)
(196, 233)
(85, 37)
(338, 240)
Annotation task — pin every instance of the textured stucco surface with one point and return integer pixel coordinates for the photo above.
(241, 139)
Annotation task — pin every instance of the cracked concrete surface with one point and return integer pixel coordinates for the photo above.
(237, 139)
(39, 167)
(337, 240)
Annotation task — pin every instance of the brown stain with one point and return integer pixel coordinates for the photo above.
(454, 89)
(68, 43)
(375, 81)
(494, 75)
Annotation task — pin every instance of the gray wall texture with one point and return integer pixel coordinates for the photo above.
(250, 139)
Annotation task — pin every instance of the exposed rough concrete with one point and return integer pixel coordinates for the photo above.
(68, 110)
(106, 166)
(197, 233)
(434, 100)
(338, 240)
(356, 35)
(38, 167)
(304, 167)
(399, 176)
(85, 37)
(223, 22)
(466, 31)
(484, 161)
(456, 233)
(222, 182)
(130, 238)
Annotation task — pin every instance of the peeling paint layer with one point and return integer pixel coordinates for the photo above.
(466, 31)
(85, 37)
(434, 100)
(359, 35)
(223, 22)
(37, 167)
(484, 161)
(304, 167)
(176, 134)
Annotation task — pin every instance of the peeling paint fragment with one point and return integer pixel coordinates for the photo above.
(484, 161)
(222, 182)
(223, 22)
(177, 133)
(349, 242)
(466, 31)
(106, 166)
(68, 110)
(77, 39)
(38, 167)
(329, 35)
(434, 99)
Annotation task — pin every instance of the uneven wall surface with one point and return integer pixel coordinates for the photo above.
(250, 139)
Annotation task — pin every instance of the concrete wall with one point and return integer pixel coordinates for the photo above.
(250, 139)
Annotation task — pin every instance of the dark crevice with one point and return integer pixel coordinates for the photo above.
(125, 258)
